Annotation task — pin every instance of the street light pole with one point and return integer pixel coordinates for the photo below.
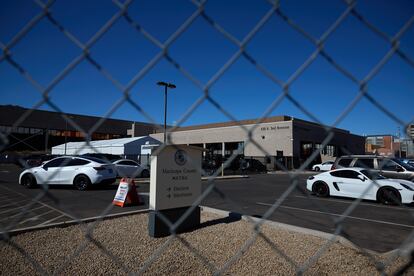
(166, 86)
(66, 131)
(66, 134)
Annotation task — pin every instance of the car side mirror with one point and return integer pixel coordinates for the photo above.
(45, 167)
(362, 178)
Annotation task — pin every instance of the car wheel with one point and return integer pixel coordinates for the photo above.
(320, 189)
(389, 196)
(145, 174)
(29, 181)
(82, 182)
(317, 169)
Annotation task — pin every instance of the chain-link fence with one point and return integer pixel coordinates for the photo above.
(275, 9)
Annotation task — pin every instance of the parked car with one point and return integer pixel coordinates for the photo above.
(252, 165)
(82, 172)
(239, 164)
(388, 167)
(209, 166)
(103, 156)
(325, 166)
(361, 183)
(408, 161)
(130, 168)
(35, 160)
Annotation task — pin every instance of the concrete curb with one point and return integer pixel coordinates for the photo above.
(297, 229)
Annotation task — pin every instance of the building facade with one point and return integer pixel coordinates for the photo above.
(405, 148)
(288, 140)
(381, 144)
(39, 130)
(410, 131)
(389, 145)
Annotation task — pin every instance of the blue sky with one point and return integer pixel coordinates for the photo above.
(242, 91)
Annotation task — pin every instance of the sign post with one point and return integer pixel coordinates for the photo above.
(175, 185)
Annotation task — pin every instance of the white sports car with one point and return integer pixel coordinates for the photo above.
(359, 182)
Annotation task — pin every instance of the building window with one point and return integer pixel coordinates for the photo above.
(306, 149)
(52, 132)
(79, 134)
(376, 141)
(330, 150)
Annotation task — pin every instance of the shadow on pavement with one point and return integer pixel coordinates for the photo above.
(232, 217)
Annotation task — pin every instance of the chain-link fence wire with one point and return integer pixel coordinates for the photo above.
(275, 9)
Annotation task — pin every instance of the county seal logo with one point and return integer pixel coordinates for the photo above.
(180, 157)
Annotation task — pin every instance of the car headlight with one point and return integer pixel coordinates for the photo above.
(407, 187)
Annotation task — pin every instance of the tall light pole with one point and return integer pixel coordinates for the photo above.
(166, 86)
(66, 131)
(66, 134)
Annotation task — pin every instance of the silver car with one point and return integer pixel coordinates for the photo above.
(130, 168)
(387, 166)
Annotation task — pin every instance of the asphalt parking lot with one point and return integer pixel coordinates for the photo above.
(370, 225)
(21, 208)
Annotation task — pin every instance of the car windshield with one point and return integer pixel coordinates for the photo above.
(404, 165)
(372, 175)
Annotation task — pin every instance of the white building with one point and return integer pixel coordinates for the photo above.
(290, 140)
(125, 147)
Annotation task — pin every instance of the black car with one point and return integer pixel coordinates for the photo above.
(245, 165)
(252, 165)
(238, 165)
(35, 160)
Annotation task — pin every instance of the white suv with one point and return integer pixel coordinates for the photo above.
(79, 171)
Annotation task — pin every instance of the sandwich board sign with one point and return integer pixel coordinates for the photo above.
(126, 194)
(175, 184)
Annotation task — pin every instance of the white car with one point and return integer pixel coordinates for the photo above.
(325, 166)
(130, 168)
(359, 182)
(79, 171)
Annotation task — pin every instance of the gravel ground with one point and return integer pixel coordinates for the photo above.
(122, 245)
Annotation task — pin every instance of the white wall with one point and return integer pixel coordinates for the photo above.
(129, 148)
(277, 136)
